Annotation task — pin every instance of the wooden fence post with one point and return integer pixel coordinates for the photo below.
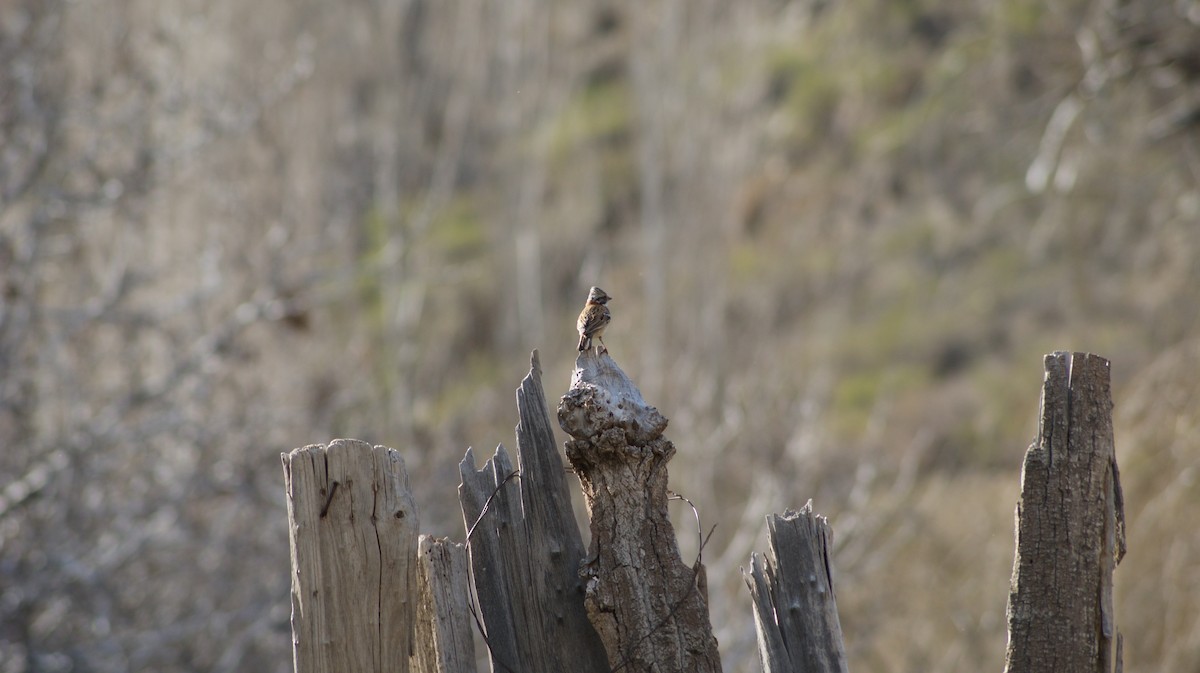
(795, 612)
(647, 605)
(525, 550)
(1070, 528)
(443, 640)
(352, 529)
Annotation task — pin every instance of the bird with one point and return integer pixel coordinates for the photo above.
(593, 319)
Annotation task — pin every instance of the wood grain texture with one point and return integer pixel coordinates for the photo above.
(526, 550)
(443, 637)
(1070, 528)
(353, 537)
(496, 550)
(644, 601)
(795, 611)
(555, 544)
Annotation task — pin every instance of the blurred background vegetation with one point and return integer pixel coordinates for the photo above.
(840, 237)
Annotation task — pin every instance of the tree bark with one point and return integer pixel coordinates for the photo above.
(526, 550)
(643, 600)
(352, 530)
(443, 641)
(1070, 528)
(795, 612)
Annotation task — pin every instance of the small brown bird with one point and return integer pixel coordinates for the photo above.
(594, 318)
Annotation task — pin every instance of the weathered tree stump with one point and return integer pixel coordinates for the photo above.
(795, 613)
(526, 548)
(643, 600)
(1070, 528)
(353, 538)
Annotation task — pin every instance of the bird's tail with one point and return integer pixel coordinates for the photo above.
(585, 342)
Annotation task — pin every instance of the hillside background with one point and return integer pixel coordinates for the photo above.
(840, 237)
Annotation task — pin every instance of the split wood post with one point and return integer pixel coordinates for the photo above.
(795, 612)
(443, 639)
(647, 605)
(525, 550)
(1070, 528)
(352, 530)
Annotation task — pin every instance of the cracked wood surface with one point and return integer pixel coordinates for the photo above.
(795, 611)
(1070, 528)
(526, 549)
(443, 637)
(352, 530)
(646, 603)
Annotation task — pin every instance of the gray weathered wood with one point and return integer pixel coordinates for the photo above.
(1070, 528)
(795, 611)
(443, 637)
(353, 538)
(526, 550)
(554, 541)
(643, 600)
(495, 547)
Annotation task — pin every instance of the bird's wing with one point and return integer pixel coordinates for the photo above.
(593, 319)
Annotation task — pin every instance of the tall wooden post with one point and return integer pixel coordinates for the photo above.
(352, 528)
(648, 606)
(1070, 528)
